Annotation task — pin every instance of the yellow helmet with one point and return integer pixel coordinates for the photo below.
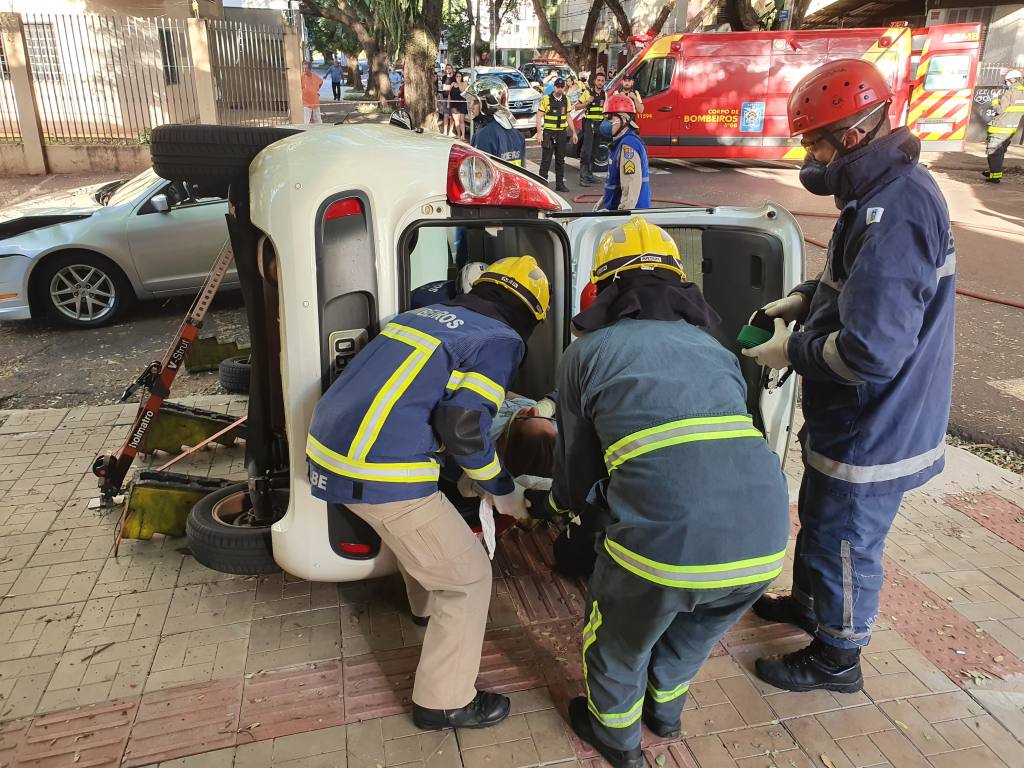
(522, 276)
(636, 244)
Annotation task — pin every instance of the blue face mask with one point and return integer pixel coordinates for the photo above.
(605, 129)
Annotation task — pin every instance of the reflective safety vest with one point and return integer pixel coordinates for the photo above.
(696, 498)
(375, 434)
(1009, 107)
(595, 110)
(555, 113)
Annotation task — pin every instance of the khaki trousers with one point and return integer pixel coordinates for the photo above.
(448, 578)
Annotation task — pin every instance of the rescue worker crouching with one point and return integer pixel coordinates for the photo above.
(876, 356)
(433, 377)
(552, 123)
(653, 427)
(1009, 106)
(627, 185)
(592, 102)
(493, 127)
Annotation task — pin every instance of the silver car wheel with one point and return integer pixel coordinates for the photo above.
(82, 292)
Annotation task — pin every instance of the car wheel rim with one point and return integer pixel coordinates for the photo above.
(235, 511)
(82, 292)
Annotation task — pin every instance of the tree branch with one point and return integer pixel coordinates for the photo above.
(625, 25)
(548, 34)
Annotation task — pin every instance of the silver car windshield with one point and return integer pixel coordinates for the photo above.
(513, 79)
(132, 188)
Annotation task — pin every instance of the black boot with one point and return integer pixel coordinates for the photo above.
(783, 610)
(584, 181)
(560, 187)
(660, 727)
(579, 718)
(484, 710)
(816, 667)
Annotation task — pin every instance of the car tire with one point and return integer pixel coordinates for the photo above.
(218, 543)
(209, 154)
(234, 373)
(101, 279)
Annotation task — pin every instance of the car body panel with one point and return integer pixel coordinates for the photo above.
(156, 260)
(291, 187)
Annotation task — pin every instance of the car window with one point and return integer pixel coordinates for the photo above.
(947, 73)
(654, 76)
(512, 78)
(132, 188)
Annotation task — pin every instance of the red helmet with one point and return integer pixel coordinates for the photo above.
(835, 91)
(617, 103)
(587, 296)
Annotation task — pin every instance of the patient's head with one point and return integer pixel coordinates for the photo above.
(527, 446)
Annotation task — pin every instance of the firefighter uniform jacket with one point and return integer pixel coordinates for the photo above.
(876, 349)
(495, 139)
(653, 428)
(627, 185)
(1009, 106)
(443, 368)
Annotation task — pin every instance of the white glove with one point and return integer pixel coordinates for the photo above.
(546, 407)
(512, 504)
(773, 353)
(792, 308)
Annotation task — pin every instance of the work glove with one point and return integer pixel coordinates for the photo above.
(792, 308)
(773, 353)
(546, 407)
(512, 504)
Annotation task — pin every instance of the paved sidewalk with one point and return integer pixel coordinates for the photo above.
(150, 659)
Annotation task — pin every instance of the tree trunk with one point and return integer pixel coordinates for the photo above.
(661, 18)
(625, 25)
(582, 55)
(355, 79)
(420, 55)
(380, 86)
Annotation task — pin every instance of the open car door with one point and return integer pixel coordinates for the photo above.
(741, 258)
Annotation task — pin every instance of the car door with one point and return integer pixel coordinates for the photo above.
(653, 80)
(173, 250)
(742, 258)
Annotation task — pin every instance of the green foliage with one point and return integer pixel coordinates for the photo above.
(455, 21)
(330, 37)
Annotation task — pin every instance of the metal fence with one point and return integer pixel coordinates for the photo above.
(250, 76)
(10, 129)
(109, 79)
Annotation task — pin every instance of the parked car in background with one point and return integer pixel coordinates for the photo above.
(523, 100)
(535, 71)
(84, 255)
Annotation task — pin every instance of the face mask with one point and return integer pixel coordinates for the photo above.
(812, 176)
(605, 129)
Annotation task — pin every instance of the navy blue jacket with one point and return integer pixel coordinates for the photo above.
(432, 377)
(628, 158)
(876, 348)
(653, 428)
(505, 143)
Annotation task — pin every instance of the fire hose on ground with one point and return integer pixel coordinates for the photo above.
(987, 297)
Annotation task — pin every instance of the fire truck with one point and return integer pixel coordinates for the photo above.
(724, 95)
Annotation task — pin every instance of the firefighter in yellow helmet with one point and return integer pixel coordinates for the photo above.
(1009, 111)
(671, 479)
(433, 377)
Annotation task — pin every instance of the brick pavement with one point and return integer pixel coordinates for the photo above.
(150, 659)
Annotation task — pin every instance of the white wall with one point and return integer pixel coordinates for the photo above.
(1005, 41)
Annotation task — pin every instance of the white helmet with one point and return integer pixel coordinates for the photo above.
(1013, 74)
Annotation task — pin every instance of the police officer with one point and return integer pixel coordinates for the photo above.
(433, 377)
(655, 438)
(627, 185)
(593, 113)
(494, 130)
(1009, 106)
(552, 123)
(876, 356)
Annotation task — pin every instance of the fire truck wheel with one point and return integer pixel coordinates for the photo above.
(234, 374)
(222, 536)
(209, 154)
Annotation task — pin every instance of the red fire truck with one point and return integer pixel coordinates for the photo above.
(724, 95)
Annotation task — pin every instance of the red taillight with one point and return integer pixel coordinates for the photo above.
(354, 549)
(350, 206)
(473, 179)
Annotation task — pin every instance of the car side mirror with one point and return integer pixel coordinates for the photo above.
(160, 204)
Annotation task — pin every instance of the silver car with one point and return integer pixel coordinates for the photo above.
(523, 99)
(84, 256)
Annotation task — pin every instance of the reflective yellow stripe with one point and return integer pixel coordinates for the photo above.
(1000, 130)
(618, 719)
(754, 570)
(589, 638)
(477, 382)
(410, 472)
(676, 433)
(555, 507)
(492, 469)
(380, 408)
(665, 696)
